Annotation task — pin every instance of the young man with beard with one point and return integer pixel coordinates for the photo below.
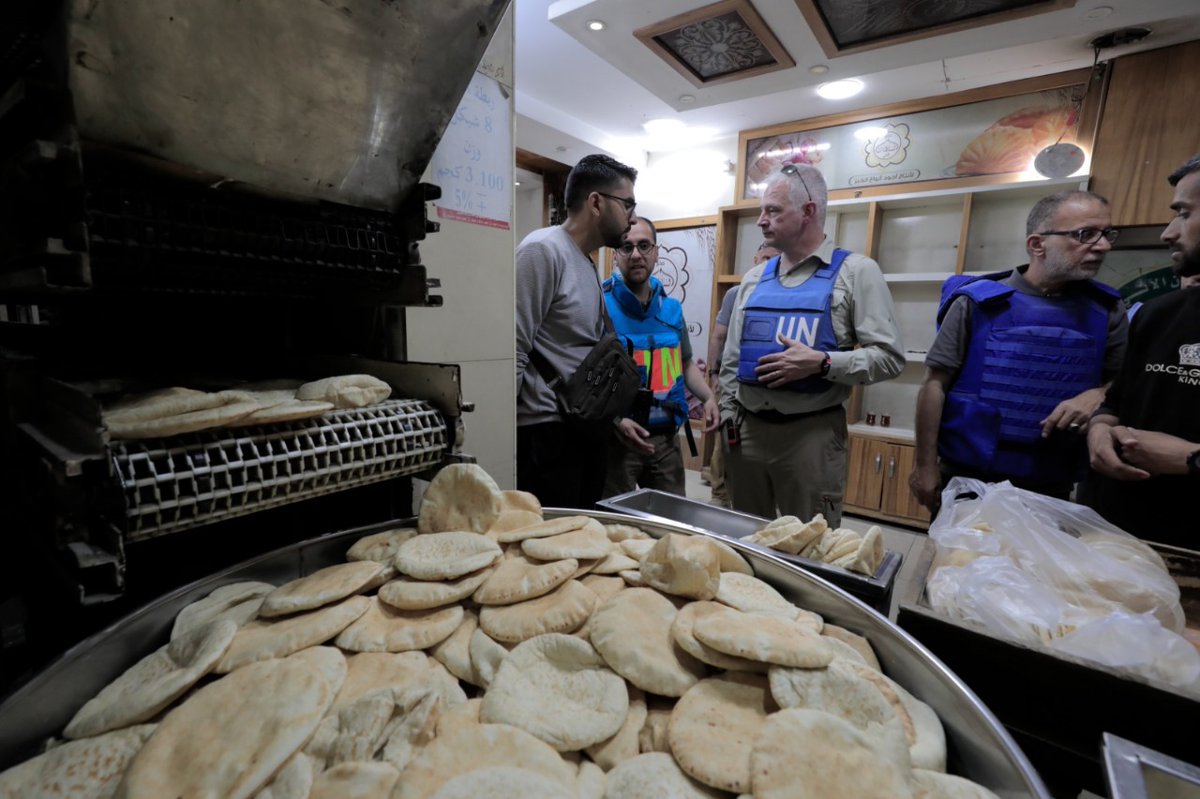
(1022, 359)
(643, 314)
(1144, 440)
(560, 315)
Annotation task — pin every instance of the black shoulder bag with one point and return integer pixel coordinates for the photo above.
(605, 384)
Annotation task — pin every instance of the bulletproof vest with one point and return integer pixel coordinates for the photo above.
(656, 333)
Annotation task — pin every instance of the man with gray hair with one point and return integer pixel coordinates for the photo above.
(807, 325)
(1144, 441)
(1022, 359)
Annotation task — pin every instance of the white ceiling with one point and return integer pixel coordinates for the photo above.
(577, 90)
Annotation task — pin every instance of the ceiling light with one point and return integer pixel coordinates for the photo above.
(1099, 12)
(818, 69)
(687, 98)
(663, 127)
(595, 25)
(840, 89)
(869, 132)
(516, 183)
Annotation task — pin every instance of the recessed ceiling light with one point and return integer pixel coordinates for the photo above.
(818, 69)
(840, 89)
(1099, 12)
(596, 25)
(663, 127)
(687, 98)
(516, 183)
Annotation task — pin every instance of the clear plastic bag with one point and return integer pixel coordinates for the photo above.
(1043, 570)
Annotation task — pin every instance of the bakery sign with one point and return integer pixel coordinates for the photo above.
(989, 137)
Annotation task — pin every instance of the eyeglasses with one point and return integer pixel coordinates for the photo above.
(793, 170)
(1086, 235)
(644, 247)
(628, 202)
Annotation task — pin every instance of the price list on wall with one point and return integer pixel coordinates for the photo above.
(473, 161)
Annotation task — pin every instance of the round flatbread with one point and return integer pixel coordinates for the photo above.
(587, 543)
(322, 587)
(623, 744)
(520, 578)
(153, 682)
(563, 610)
(462, 497)
(238, 602)
(380, 547)
(455, 652)
(838, 689)
(769, 639)
(632, 632)
(681, 632)
(655, 774)
(265, 639)
(687, 566)
(751, 595)
(354, 780)
(543, 529)
(406, 593)
(715, 726)
(503, 782)
(346, 391)
(557, 688)
(445, 556)
(82, 769)
(384, 629)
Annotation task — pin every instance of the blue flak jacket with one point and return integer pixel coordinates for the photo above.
(656, 332)
(1026, 355)
(803, 313)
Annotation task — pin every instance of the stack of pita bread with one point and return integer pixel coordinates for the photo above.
(816, 540)
(491, 652)
(177, 410)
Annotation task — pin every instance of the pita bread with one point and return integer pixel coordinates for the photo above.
(558, 689)
(85, 769)
(372, 671)
(860, 644)
(623, 745)
(229, 410)
(462, 497)
(467, 748)
(655, 774)
(380, 547)
(789, 534)
(544, 529)
(637, 548)
(867, 556)
(406, 593)
(504, 782)
(290, 411)
(466, 714)
(355, 781)
(770, 639)
(736, 704)
(236, 601)
(808, 753)
(687, 566)
(837, 689)
(455, 652)
(731, 561)
(752, 595)
(614, 563)
(486, 656)
(653, 737)
(510, 520)
(622, 532)
(590, 782)
(681, 632)
(261, 640)
(521, 500)
(563, 610)
(154, 682)
(346, 391)
(294, 780)
(520, 578)
(328, 661)
(445, 556)
(322, 587)
(586, 543)
(603, 586)
(229, 737)
(632, 632)
(384, 629)
(934, 785)
(159, 404)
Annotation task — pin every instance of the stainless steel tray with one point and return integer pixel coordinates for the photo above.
(647, 503)
(978, 746)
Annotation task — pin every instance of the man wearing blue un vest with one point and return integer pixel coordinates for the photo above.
(807, 326)
(648, 455)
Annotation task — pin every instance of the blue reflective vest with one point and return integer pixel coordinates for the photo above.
(656, 332)
(802, 313)
(1026, 355)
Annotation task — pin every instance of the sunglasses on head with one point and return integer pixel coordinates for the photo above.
(794, 171)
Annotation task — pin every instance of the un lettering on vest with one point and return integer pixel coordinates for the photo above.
(666, 363)
(798, 327)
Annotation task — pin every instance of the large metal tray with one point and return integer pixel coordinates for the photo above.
(646, 503)
(978, 746)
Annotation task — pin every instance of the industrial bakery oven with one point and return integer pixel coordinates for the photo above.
(198, 193)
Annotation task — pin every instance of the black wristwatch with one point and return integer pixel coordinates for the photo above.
(825, 364)
(1193, 463)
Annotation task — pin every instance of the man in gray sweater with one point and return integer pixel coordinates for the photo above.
(559, 303)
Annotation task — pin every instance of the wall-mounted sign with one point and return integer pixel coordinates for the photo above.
(473, 162)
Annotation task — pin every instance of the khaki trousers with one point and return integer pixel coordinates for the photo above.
(662, 470)
(792, 468)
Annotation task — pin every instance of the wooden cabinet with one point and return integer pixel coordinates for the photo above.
(877, 483)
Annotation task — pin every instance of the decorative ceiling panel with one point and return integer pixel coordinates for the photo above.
(849, 25)
(721, 42)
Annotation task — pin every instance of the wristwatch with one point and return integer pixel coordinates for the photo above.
(825, 364)
(1193, 463)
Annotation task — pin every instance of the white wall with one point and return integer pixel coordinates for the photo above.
(527, 210)
(476, 326)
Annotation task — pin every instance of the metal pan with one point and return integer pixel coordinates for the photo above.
(978, 746)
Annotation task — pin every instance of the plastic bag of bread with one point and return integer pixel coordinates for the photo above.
(1050, 572)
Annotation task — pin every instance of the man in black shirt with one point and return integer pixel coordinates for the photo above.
(1144, 441)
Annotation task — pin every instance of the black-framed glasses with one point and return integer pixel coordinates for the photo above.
(628, 202)
(644, 247)
(794, 171)
(1086, 235)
